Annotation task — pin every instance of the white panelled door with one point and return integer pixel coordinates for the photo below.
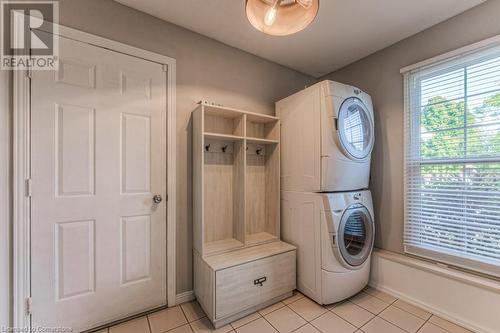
(98, 239)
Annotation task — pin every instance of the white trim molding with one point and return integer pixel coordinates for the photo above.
(469, 300)
(185, 297)
(20, 202)
(21, 170)
(486, 43)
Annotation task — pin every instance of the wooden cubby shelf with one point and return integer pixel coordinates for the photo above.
(263, 128)
(222, 246)
(260, 238)
(236, 179)
(236, 214)
(262, 141)
(225, 137)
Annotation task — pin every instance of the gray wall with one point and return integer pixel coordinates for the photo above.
(379, 75)
(206, 70)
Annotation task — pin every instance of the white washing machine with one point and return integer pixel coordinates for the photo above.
(327, 137)
(334, 234)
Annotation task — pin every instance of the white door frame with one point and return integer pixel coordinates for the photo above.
(21, 171)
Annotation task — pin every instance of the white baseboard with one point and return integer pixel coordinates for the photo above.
(470, 301)
(184, 297)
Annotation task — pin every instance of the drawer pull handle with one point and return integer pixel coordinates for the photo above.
(260, 281)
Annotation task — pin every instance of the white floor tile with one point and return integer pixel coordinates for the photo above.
(447, 325)
(296, 296)
(204, 325)
(381, 295)
(421, 313)
(193, 311)
(307, 309)
(139, 325)
(378, 325)
(402, 319)
(354, 314)
(331, 306)
(183, 329)
(285, 320)
(308, 328)
(272, 308)
(431, 328)
(331, 323)
(257, 326)
(369, 302)
(167, 319)
(245, 320)
(370, 311)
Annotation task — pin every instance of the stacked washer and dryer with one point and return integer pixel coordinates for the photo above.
(327, 133)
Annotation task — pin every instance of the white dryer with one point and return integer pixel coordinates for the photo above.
(334, 235)
(327, 135)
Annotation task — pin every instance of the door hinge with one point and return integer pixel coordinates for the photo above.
(28, 187)
(29, 306)
(165, 68)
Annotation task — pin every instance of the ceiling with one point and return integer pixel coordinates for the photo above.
(343, 32)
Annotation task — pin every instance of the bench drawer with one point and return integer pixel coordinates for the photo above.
(237, 288)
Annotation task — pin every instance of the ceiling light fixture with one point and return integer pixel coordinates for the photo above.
(281, 17)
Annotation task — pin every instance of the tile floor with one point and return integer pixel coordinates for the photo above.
(370, 311)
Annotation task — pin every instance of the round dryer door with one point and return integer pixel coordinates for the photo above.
(355, 128)
(356, 235)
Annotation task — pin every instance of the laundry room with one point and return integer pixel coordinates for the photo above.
(308, 166)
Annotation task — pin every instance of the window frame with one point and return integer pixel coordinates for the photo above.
(455, 60)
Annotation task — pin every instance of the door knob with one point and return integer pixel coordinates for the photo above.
(157, 199)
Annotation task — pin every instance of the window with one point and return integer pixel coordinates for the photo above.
(452, 161)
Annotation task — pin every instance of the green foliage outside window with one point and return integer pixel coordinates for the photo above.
(445, 135)
(443, 129)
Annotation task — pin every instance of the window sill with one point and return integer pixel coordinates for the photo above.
(441, 270)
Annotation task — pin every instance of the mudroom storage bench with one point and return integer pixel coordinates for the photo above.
(240, 263)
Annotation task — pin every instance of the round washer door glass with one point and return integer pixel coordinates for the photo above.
(356, 233)
(355, 128)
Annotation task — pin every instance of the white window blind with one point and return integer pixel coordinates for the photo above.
(452, 161)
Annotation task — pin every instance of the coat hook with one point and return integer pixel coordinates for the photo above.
(207, 147)
(224, 148)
